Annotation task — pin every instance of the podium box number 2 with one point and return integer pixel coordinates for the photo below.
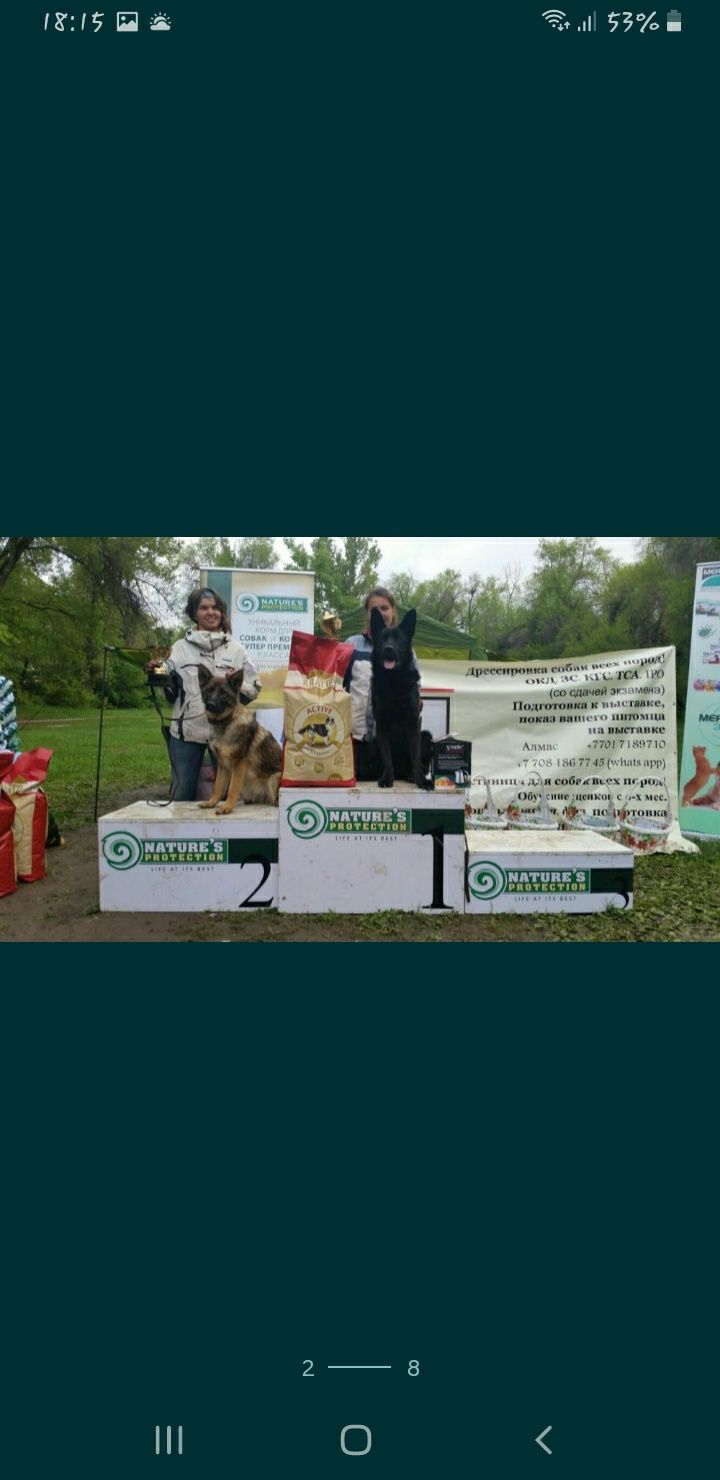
(179, 858)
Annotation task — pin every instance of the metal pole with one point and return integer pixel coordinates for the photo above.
(100, 736)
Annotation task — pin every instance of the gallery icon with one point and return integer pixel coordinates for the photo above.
(160, 22)
(127, 20)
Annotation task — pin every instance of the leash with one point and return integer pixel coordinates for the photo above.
(167, 735)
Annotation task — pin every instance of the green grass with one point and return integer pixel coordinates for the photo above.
(133, 756)
(676, 899)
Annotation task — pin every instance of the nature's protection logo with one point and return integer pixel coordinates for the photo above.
(307, 819)
(486, 880)
(711, 576)
(122, 850)
(247, 603)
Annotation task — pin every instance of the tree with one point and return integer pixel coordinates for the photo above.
(126, 567)
(403, 585)
(682, 553)
(62, 599)
(486, 608)
(442, 597)
(12, 549)
(345, 569)
(471, 593)
(564, 597)
(258, 553)
(649, 603)
(498, 619)
(212, 552)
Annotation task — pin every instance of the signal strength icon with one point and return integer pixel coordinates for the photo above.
(557, 18)
(590, 24)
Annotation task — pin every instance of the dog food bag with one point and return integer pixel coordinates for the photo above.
(8, 872)
(451, 763)
(318, 717)
(21, 785)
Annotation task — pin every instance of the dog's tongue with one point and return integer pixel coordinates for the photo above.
(390, 663)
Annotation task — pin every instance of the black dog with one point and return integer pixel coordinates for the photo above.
(396, 701)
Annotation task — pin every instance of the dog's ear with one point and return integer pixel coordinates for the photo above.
(205, 677)
(237, 680)
(377, 623)
(409, 623)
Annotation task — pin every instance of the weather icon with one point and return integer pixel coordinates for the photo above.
(160, 22)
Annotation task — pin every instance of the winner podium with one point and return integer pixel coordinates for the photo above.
(359, 850)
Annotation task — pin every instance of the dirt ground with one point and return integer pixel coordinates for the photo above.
(64, 907)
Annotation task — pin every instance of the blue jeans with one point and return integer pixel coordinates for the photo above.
(187, 758)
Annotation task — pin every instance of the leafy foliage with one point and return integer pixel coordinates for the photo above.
(345, 569)
(62, 599)
(215, 551)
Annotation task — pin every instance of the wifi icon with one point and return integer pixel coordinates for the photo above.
(557, 18)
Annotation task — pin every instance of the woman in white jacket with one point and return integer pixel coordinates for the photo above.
(208, 642)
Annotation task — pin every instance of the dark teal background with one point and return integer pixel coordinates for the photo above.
(214, 1180)
(342, 258)
(415, 269)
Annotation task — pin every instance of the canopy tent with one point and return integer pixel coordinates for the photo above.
(432, 639)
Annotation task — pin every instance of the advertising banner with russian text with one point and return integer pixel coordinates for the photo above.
(700, 772)
(593, 731)
(266, 607)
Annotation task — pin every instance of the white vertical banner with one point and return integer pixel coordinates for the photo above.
(265, 608)
(700, 773)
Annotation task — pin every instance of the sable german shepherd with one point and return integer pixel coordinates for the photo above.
(248, 756)
(396, 702)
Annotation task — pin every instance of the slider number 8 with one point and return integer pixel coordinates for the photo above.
(414, 1369)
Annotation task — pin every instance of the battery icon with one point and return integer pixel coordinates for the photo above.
(674, 20)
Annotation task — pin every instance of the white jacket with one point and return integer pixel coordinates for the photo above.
(217, 651)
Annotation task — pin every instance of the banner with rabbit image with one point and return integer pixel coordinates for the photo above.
(700, 773)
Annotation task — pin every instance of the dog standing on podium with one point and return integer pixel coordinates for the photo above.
(248, 756)
(396, 702)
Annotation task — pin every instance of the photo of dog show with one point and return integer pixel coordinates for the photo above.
(396, 758)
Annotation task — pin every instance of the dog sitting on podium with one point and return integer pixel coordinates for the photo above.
(399, 749)
(248, 756)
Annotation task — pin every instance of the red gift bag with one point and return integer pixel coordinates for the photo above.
(8, 878)
(20, 784)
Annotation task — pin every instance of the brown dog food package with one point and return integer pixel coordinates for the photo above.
(318, 717)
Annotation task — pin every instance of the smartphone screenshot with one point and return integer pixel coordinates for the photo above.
(283, 1189)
